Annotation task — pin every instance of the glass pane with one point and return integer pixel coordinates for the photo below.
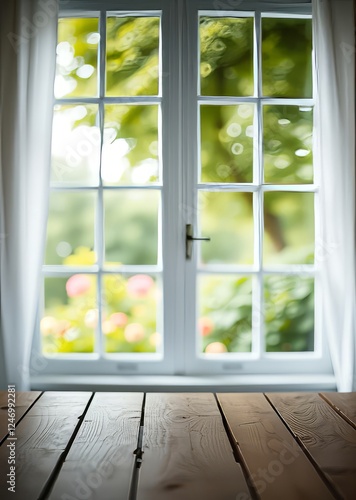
(77, 58)
(131, 151)
(131, 226)
(70, 228)
(288, 228)
(289, 313)
(132, 56)
(227, 218)
(225, 312)
(67, 324)
(130, 313)
(75, 145)
(288, 144)
(227, 143)
(226, 56)
(287, 57)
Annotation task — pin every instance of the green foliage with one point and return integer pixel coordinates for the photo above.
(75, 50)
(131, 235)
(226, 61)
(137, 125)
(289, 313)
(132, 56)
(226, 312)
(286, 57)
(227, 143)
(288, 141)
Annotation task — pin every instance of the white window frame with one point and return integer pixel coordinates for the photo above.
(259, 361)
(127, 363)
(180, 148)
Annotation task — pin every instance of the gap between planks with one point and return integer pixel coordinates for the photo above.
(187, 451)
(236, 451)
(263, 439)
(101, 462)
(27, 402)
(328, 483)
(332, 400)
(41, 437)
(47, 488)
(138, 455)
(326, 437)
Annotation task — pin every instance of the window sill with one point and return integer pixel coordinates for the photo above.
(180, 383)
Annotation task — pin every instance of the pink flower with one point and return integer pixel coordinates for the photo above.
(205, 325)
(108, 327)
(138, 286)
(215, 348)
(77, 285)
(119, 319)
(134, 332)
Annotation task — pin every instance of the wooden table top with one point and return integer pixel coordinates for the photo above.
(172, 446)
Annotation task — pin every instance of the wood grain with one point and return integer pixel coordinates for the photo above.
(100, 462)
(289, 446)
(328, 438)
(42, 437)
(187, 454)
(344, 403)
(23, 400)
(277, 465)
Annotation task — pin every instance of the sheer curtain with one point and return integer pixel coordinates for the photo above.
(27, 45)
(335, 117)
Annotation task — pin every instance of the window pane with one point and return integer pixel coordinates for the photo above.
(227, 143)
(289, 313)
(130, 313)
(68, 323)
(131, 226)
(227, 218)
(70, 228)
(288, 144)
(225, 312)
(131, 150)
(77, 56)
(226, 56)
(132, 56)
(75, 145)
(289, 228)
(287, 57)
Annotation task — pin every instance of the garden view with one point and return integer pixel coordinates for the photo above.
(128, 150)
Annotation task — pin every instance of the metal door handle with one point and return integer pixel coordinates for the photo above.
(189, 238)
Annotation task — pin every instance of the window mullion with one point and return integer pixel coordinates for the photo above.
(99, 227)
(191, 144)
(170, 139)
(257, 311)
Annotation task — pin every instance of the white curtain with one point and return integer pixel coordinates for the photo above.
(27, 65)
(335, 117)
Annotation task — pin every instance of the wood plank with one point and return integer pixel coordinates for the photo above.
(345, 404)
(187, 454)
(23, 400)
(328, 438)
(277, 465)
(100, 462)
(41, 437)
